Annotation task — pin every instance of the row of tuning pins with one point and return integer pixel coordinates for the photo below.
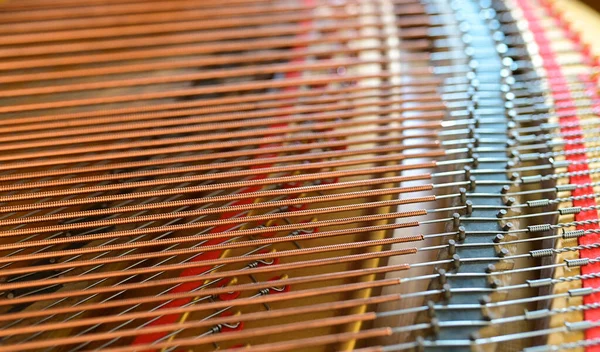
(524, 176)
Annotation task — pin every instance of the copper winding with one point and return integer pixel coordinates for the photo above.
(160, 155)
(187, 50)
(172, 39)
(260, 194)
(173, 12)
(244, 244)
(184, 190)
(350, 258)
(194, 63)
(154, 243)
(203, 224)
(231, 116)
(214, 105)
(257, 85)
(218, 320)
(211, 8)
(264, 331)
(284, 346)
(317, 341)
(182, 25)
(222, 145)
(246, 102)
(41, 12)
(176, 24)
(216, 305)
(242, 152)
(267, 204)
(262, 118)
(257, 218)
(249, 71)
(226, 174)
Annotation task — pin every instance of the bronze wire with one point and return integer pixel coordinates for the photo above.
(109, 8)
(435, 107)
(214, 105)
(324, 322)
(174, 39)
(383, 170)
(180, 24)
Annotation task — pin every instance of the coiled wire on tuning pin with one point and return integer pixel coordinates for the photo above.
(299, 141)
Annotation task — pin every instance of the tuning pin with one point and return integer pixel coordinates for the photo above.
(456, 261)
(442, 277)
(468, 207)
(456, 220)
(462, 233)
(451, 247)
